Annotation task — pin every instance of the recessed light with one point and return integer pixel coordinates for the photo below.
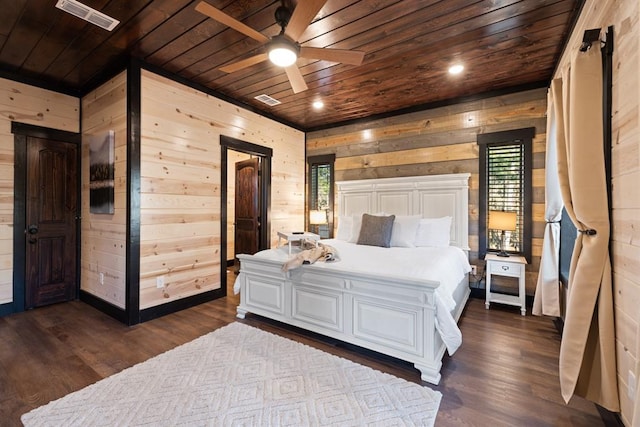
(456, 69)
(318, 105)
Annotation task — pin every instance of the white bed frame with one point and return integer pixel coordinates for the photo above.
(390, 315)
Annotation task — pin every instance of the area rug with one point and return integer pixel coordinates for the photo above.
(240, 375)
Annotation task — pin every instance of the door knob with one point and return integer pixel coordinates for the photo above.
(33, 229)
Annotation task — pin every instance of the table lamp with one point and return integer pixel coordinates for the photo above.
(503, 221)
(317, 217)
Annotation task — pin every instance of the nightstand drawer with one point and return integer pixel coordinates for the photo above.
(500, 268)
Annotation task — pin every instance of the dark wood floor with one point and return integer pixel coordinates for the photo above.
(505, 373)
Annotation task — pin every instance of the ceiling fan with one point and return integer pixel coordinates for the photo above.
(283, 49)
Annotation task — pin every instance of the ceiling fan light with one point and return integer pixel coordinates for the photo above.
(456, 69)
(282, 56)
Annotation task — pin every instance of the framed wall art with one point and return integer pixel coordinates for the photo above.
(101, 173)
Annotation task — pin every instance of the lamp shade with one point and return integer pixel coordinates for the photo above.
(499, 220)
(317, 217)
(282, 51)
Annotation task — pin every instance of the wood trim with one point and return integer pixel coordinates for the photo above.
(21, 132)
(227, 142)
(186, 82)
(134, 95)
(181, 304)
(314, 160)
(57, 87)
(43, 132)
(102, 305)
(507, 137)
(19, 220)
(432, 105)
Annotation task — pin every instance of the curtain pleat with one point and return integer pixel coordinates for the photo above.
(587, 351)
(547, 297)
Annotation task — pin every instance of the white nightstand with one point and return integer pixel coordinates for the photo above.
(512, 266)
(296, 237)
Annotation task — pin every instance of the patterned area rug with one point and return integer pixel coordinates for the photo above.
(240, 375)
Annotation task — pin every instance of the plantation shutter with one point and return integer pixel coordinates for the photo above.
(313, 187)
(505, 190)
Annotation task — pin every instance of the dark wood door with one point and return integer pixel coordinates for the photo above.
(247, 207)
(51, 204)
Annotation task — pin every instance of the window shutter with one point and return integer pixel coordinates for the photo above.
(313, 187)
(505, 190)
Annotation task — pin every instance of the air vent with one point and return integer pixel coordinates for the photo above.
(88, 14)
(268, 100)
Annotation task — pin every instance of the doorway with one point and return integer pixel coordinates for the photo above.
(246, 170)
(246, 201)
(46, 221)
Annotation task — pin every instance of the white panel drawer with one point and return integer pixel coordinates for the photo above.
(265, 294)
(394, 327)
(320, 308)
(500, 268)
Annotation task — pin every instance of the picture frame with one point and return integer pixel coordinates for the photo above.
(102, 173)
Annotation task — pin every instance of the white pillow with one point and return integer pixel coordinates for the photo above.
(345, 224)
(356, 224)
(434, 232)
(404, 230)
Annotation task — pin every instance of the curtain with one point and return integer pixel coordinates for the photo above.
(547, 297)
(635, 421)
(587, 351)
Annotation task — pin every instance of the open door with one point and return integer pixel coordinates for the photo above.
(247, 207)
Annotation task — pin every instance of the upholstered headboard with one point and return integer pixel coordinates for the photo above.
(431, 196)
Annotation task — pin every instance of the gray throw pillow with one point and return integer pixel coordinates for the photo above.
(376, 230)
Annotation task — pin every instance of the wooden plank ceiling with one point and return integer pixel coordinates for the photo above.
(409, 45)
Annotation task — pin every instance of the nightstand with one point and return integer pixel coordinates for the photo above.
(296, 237)
(512, 266)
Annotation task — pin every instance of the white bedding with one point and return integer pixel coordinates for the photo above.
(447, 265)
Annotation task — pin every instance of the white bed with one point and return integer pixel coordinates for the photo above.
(403, 302)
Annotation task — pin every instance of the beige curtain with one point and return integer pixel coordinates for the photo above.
(636, 403)
(547, 297)
(587, 351)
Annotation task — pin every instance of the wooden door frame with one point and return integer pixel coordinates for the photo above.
(265, 153)
(21, 132)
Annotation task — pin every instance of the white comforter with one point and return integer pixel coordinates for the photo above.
(447, 266)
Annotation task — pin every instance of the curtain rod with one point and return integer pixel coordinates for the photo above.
(588, 38)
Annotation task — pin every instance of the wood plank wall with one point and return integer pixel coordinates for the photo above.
(31, 105)
(439, 141)
(181, 177)
(624, 15)
(103, 235)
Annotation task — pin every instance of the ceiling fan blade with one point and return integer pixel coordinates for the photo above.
(218, 15)
(236, 66)
(295, 78)
(302, 16)
(353, 57)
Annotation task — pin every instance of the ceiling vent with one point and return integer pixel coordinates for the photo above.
(267, 100)
(88, 14)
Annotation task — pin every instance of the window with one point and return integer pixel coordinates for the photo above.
(505, 185)
(320, 197)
